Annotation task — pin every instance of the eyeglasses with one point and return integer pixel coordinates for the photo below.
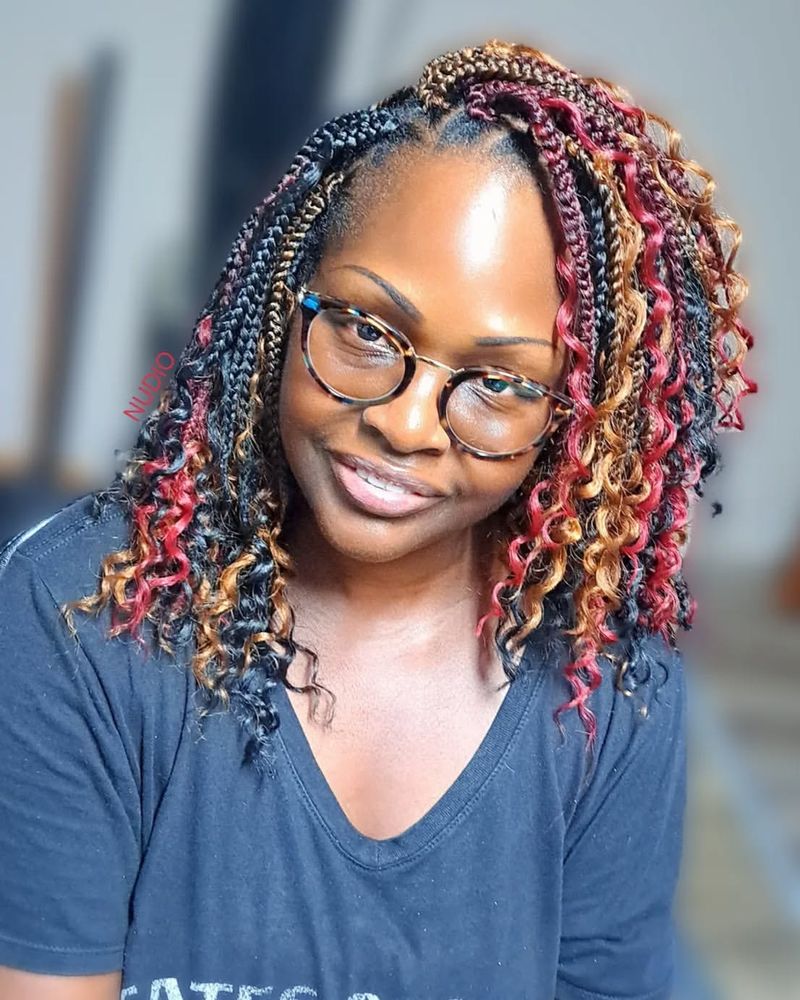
(360, 359)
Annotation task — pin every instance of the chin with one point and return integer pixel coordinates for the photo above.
(369, 539)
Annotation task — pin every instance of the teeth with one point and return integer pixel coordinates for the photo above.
(382, 484)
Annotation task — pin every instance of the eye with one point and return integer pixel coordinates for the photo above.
(495, 384)
(498, 385)
(366, 331)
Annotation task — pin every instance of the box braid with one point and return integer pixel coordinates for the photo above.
(593, 539)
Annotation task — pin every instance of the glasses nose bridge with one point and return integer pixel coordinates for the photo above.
(435, 363)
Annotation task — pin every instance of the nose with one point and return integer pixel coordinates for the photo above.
(410, 421)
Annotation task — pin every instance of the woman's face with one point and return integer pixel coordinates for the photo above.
(471, 255)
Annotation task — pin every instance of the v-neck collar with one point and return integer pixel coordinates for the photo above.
(367, 851)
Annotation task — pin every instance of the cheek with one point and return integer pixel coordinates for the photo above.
(489, 485)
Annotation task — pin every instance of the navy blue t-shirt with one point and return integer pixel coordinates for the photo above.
(134, 838)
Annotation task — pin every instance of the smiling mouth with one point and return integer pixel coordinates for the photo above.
(374, 495)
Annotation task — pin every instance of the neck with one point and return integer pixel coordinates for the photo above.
(449, 580)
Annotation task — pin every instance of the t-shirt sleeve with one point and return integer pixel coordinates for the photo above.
(69, 800)
(624, 842)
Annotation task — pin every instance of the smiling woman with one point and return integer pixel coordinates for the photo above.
(465, 367)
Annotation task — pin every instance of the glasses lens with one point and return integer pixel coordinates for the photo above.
(495, 415)
(353, 356)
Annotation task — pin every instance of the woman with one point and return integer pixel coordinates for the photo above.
(429, 456)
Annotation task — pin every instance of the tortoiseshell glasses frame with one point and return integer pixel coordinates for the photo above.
(311, 303)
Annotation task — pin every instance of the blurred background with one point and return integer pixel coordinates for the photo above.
(139, 136)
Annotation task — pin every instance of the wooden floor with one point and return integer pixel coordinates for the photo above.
(739, 894)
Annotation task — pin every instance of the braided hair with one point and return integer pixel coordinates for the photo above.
(593, 541)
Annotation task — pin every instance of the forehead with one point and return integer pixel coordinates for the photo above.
(473, 248)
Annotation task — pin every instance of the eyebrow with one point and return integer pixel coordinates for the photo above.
(413, 313)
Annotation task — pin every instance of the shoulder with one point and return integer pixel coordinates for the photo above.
(59, 559)
(51, 562)
(639, 709)
(642, 684)
(64, 545)
(640, 679)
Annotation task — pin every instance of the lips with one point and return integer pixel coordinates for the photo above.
(388, 474)
(376, 499)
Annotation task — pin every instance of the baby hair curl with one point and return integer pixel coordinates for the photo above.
(593, 542)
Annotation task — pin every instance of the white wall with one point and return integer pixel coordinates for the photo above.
(144, 197)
